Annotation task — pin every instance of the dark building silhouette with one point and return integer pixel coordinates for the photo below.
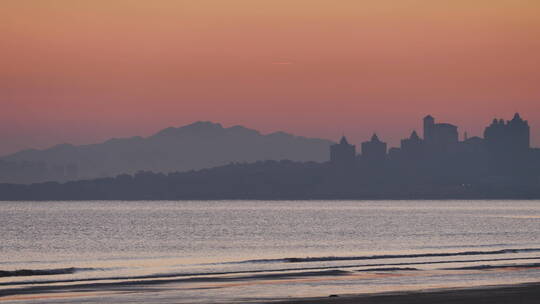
(374, 151)
(473, 144)
(394, 153)
(439, 137)
(511, 137)
(343, 154)
(413, 146)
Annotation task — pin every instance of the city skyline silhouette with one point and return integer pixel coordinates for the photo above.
(63, 162)
(68, 162)
(437, 165)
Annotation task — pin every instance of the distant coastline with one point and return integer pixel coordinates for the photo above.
(271, 180)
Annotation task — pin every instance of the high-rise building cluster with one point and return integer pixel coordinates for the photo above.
(502, 140)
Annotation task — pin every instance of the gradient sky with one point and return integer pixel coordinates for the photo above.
(83, 71)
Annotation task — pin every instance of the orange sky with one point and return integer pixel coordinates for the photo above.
(83, 71)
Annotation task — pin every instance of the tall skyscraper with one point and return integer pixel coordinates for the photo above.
(343, 154)
(439, 137)
(374, 150)
(512, 136)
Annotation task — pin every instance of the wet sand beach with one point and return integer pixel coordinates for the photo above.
(519, 294)
(515, 294)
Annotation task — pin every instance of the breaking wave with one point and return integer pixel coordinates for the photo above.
(41, 272)
(389, 256)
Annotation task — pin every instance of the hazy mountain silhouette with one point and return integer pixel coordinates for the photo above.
(198, 145)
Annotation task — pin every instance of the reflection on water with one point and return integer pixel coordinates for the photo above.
(235, 249)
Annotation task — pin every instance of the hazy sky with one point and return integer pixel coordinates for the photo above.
(82, 71)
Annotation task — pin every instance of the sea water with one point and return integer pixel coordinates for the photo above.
(234, 251)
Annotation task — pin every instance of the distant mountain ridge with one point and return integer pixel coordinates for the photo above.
(199, 145)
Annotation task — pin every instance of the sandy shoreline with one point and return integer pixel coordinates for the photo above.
(515, 294)
(519, 294)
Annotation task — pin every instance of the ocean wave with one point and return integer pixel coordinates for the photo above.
(487, 267)
(390, 269)
(100, 285)
(41, 272)
(391, 256)
(472, 246)
(217, 276)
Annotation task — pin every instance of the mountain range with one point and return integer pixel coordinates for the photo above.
(195, 146)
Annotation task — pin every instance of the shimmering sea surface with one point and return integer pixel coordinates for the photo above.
(257, 251)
